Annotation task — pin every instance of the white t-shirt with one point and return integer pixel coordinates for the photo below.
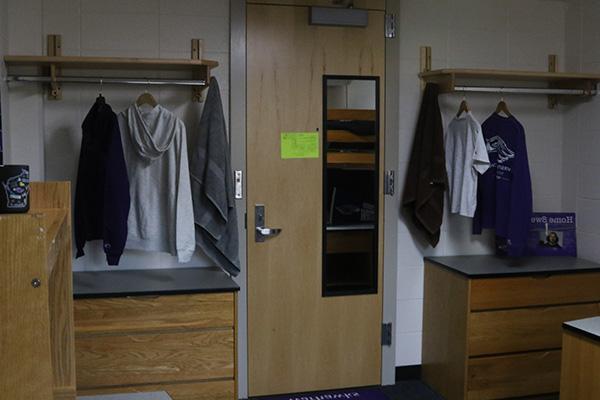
(466, 155)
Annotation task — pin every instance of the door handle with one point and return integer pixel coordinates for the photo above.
(268, 231)
(262, 233)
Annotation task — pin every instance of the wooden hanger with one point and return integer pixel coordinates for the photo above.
(463, 108)
(502, 107)
(146, 98)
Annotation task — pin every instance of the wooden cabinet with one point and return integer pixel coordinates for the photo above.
(36, 318)
(580, 372)
(500, 336)
(182, 344)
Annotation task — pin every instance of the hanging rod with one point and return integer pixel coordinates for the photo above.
(126, 81)
(501, 90)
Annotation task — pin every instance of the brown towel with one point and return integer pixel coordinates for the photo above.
(426, 178)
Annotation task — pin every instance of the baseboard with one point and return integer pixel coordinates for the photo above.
(408, 373)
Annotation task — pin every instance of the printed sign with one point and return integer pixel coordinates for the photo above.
(299, 145)
(552, 234)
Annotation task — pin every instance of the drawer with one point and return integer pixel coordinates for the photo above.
(524, 329)
(212, 390)
(142, 313)
(513, 375)
(489, 294)
(121, 360)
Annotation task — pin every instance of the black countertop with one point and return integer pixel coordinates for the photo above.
(121, 283)
(129, 396)
(589, 327)
(489, 266)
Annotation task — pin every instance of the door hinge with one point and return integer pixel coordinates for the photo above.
(390, 26)
(389, 182)
(238, 179)
(386, 334)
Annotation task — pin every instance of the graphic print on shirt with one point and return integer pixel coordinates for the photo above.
(17, 190)
(497, 145)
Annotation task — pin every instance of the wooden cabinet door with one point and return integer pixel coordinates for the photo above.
(25, 352)
(297, 339)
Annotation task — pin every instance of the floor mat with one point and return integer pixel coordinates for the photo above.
(344, 394)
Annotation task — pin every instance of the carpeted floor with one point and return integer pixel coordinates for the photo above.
(402, 390)
(417, 390)
(410, 390)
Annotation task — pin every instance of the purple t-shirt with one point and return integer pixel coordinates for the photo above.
(504, 199)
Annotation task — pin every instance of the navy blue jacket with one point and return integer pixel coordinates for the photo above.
(102, 192)
(504, 198)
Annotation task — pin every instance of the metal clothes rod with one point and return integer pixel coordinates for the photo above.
(98, 81)
(505, 90)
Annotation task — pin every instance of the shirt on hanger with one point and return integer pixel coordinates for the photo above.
(102, 191)
(161, 216)
(504, 196)
(466, 157)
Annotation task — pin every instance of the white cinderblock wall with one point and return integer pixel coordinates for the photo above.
(516, 34)
(582, 130)
(3, 46)
(47, 135)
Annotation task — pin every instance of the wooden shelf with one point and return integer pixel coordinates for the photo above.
(514, 75)
(351, 115)
(448, 78)
(356, 227)
(362, 159)
(342, 136)
(77, 62)
(50, 68)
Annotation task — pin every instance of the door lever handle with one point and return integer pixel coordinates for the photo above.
(268, 231)
(262, 233)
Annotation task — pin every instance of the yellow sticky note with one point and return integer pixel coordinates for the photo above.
(299, 145)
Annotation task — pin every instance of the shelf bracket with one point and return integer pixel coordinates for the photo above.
(202, 73)
(54, 49)
(552, 67)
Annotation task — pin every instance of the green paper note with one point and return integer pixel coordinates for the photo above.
(299, 145)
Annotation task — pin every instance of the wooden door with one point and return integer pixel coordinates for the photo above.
(297, 339)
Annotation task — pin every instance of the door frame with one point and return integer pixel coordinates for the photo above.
(237, 129)
(237, 102)
(391, 203)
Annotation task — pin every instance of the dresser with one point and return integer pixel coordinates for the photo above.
(580, 371)
(37, 359)
(492, 327)
(171, 330)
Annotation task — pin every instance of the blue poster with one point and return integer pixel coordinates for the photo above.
(552, 234)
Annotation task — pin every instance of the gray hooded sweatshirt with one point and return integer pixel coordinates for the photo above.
(161, 217)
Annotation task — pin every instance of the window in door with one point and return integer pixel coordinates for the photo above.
(350, 184)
